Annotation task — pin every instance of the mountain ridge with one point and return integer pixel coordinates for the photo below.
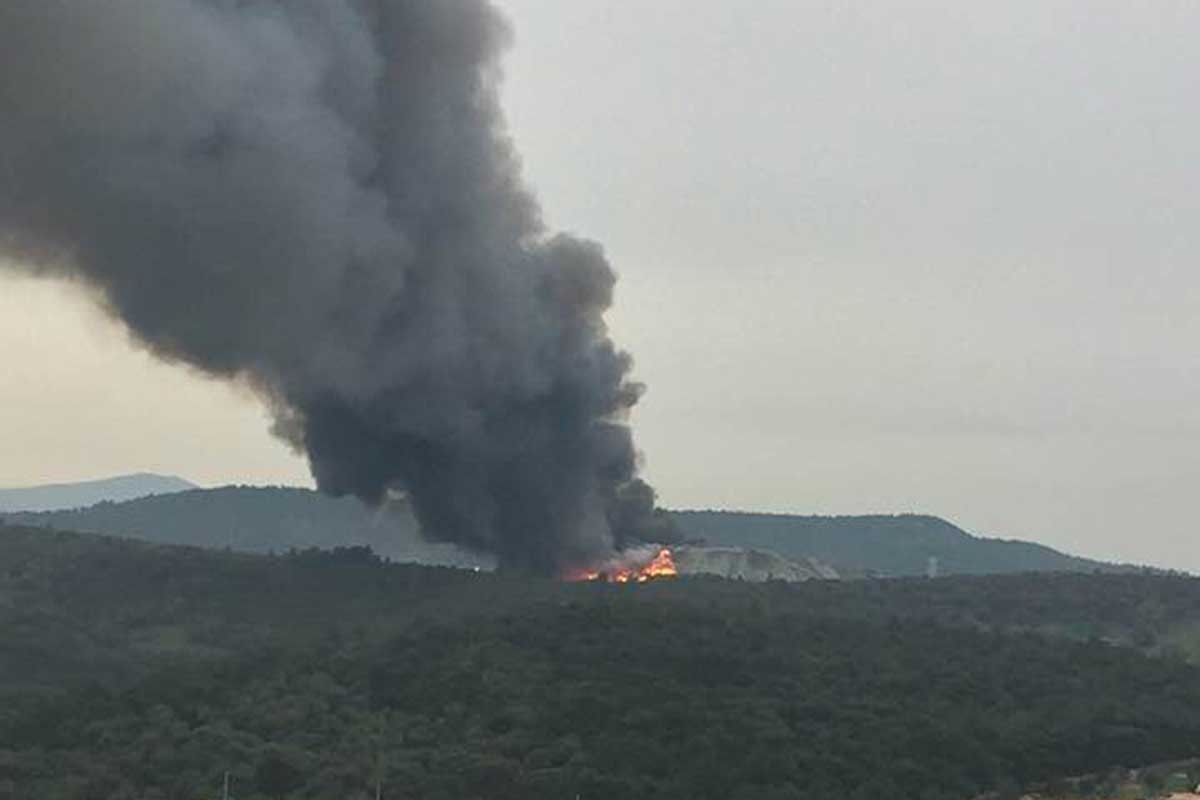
(884, 544)
(257, 519)
(277, 519)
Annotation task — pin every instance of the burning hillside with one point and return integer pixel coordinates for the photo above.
(735, 563)
(637, 566)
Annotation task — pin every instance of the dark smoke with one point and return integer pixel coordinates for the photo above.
(319, 198)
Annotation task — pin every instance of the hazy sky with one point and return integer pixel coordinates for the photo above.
(933, 257)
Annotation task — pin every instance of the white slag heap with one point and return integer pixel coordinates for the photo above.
(741, 563)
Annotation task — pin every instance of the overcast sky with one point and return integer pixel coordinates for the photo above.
(874, 257)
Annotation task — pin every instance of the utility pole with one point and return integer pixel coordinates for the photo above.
(225, 793)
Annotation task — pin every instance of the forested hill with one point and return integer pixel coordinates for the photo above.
(136, 670)
(266, 519)
(257, 520)
(895, 545)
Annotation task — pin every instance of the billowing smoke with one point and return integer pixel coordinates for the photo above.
(319, 198)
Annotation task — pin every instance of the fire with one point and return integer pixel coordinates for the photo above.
(661, 566)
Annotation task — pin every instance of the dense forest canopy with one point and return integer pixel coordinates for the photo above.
(132, 670)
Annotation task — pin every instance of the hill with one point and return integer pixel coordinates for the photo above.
(54, 497)
(257, 520)
(136, 670)
(894, 545)
(266, 519)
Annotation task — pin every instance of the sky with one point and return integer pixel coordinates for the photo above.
(889, 257)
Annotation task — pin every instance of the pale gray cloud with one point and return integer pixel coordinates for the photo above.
(893, 256)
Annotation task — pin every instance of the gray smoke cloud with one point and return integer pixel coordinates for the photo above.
(319, 198)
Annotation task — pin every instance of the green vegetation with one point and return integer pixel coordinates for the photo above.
(130, 670)
(893, 545)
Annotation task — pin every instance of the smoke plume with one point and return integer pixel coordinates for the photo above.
(319, 198)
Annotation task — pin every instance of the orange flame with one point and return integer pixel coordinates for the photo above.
(661, 566)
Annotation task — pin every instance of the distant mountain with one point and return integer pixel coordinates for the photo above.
(53, 497)
(257, 520)
(886, 545)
